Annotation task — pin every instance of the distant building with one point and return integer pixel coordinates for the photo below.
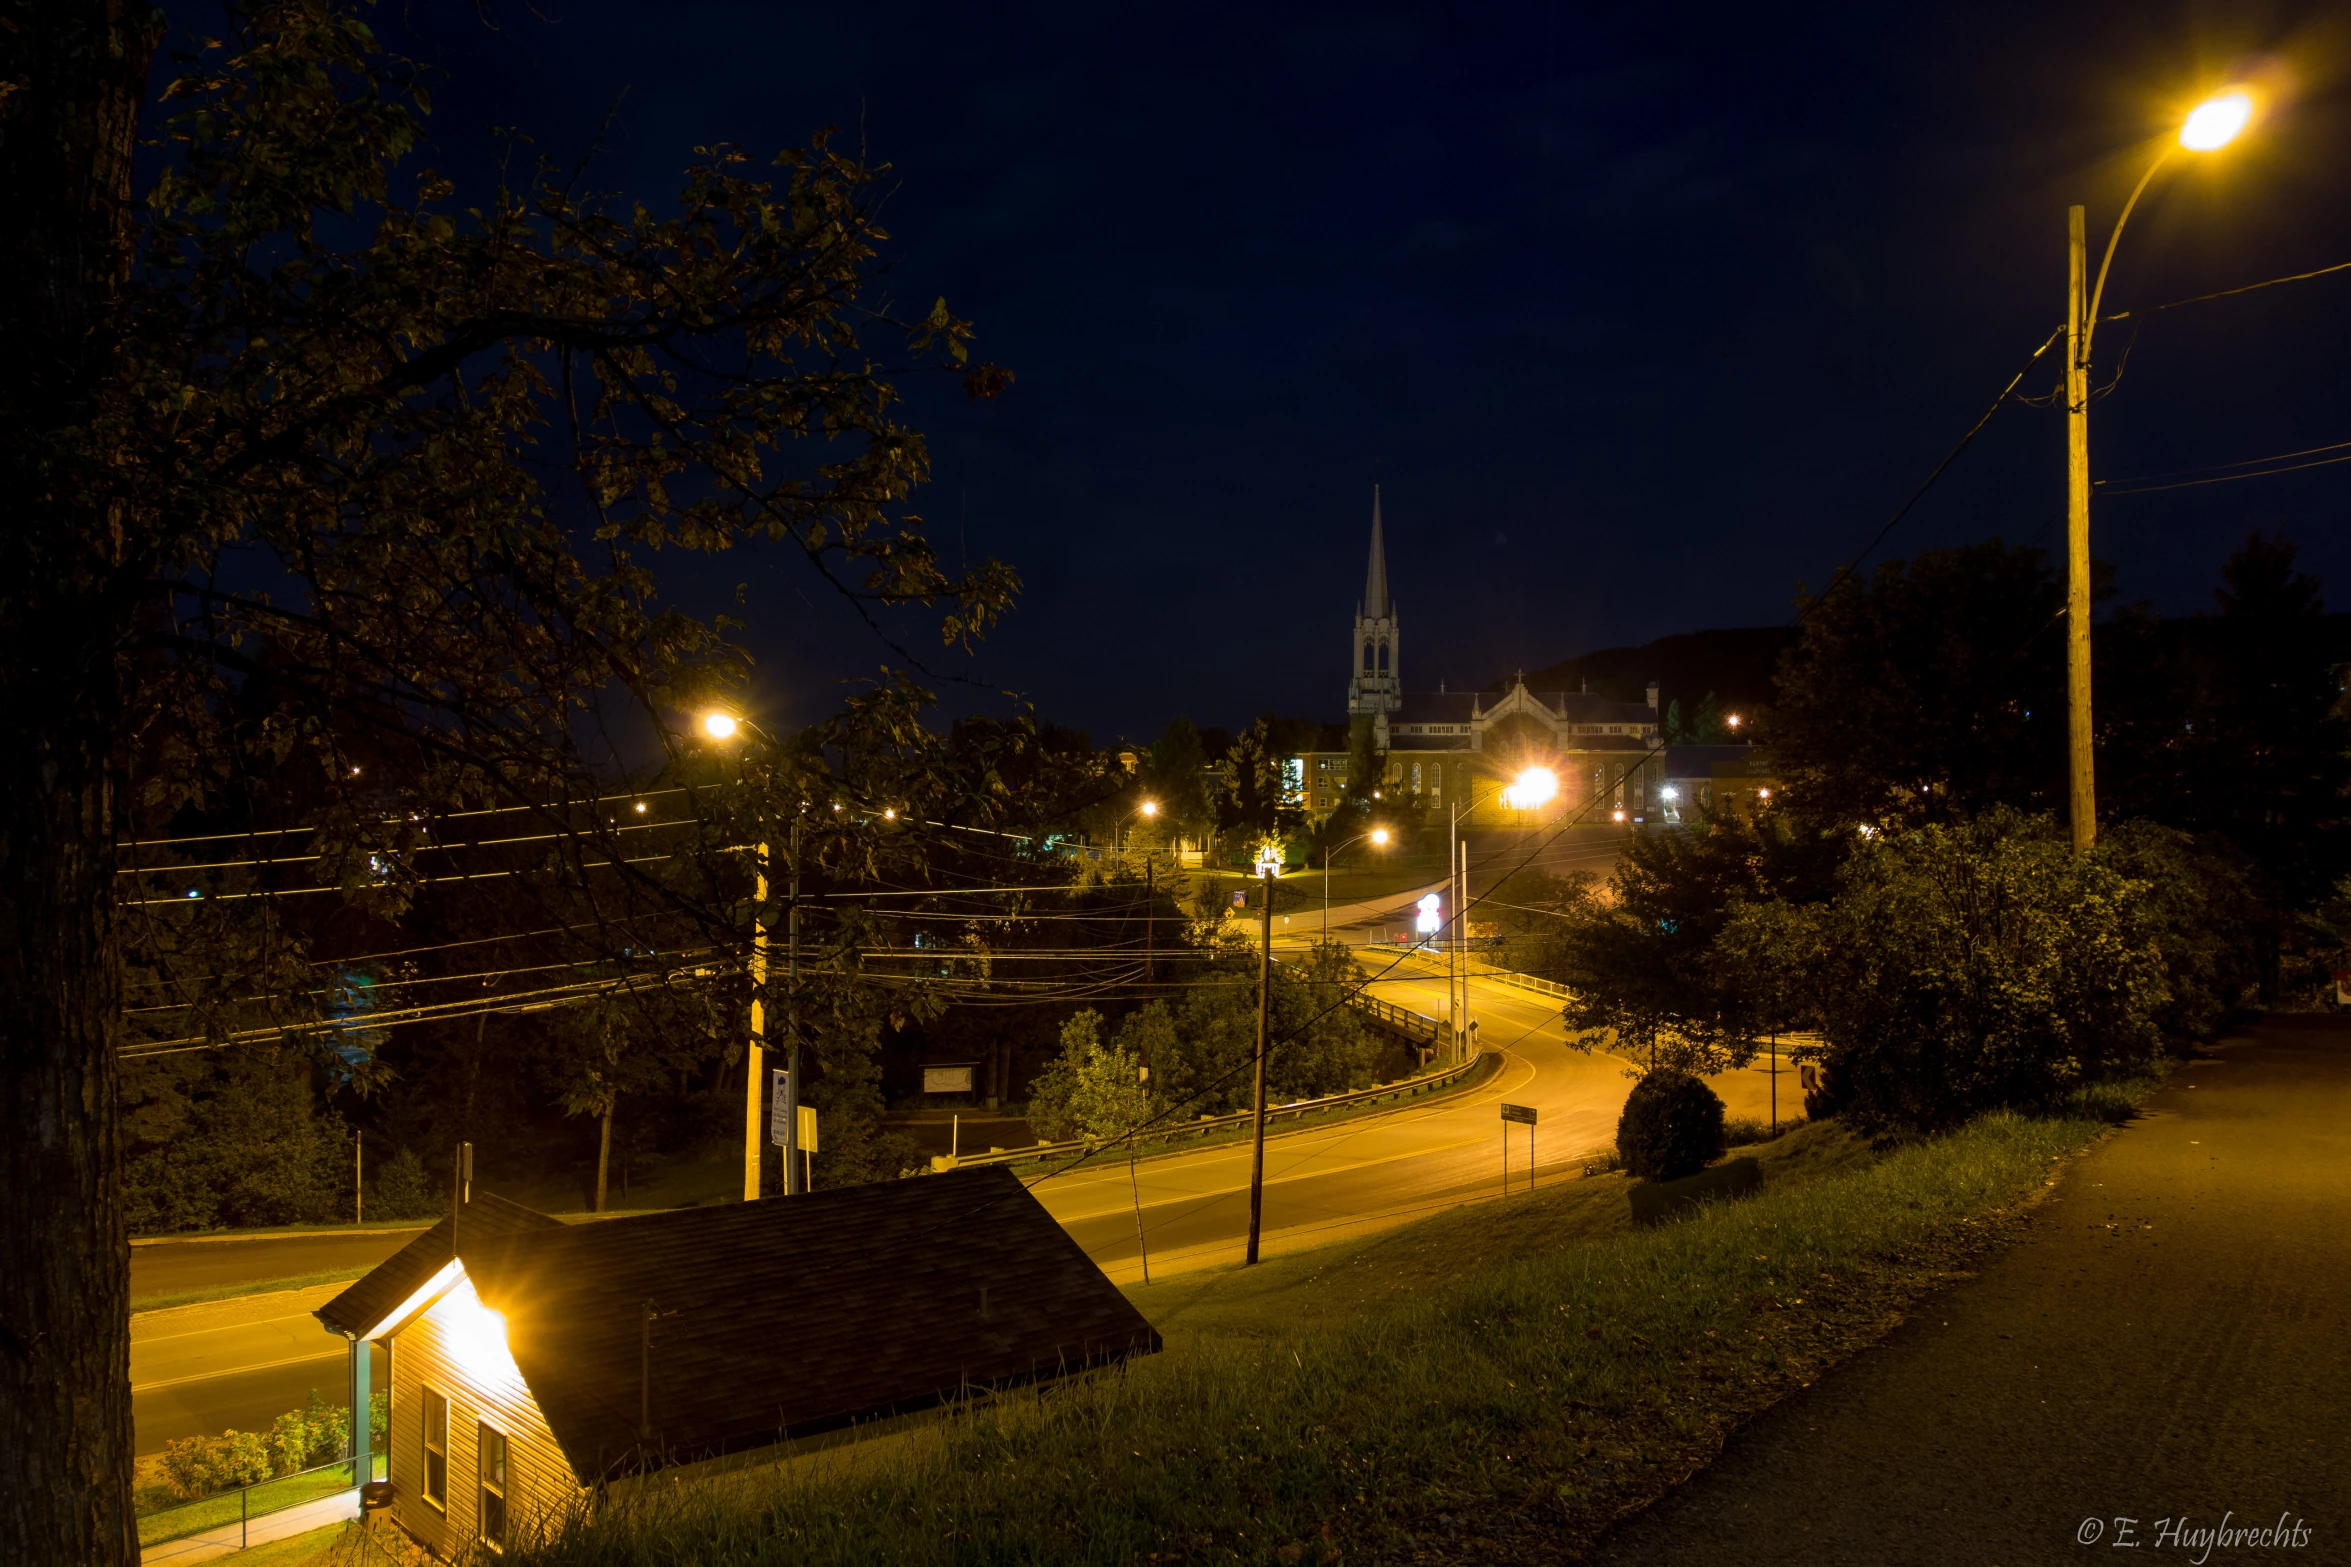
(1447, 747)
(533, 1360)
(1734, 779)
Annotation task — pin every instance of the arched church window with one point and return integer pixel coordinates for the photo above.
(1383, 658)
(1416, 775)
(1367, 664)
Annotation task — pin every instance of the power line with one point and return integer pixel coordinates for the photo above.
(1903, 510)
(399, 821)
(2142, 487)
(2198, 299)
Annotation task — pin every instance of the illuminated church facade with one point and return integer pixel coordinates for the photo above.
(1445, 749)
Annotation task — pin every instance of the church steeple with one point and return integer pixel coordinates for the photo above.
(1375, 683)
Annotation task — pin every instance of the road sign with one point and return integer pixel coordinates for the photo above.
(775, 1118)
(1523, 1115)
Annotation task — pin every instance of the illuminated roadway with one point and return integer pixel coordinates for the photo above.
(1385, 1167)
(240, 1362)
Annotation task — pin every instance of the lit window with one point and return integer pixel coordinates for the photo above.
(492, 1455)
(436, 1449)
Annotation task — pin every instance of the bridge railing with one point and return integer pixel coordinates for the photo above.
(1409, 1088)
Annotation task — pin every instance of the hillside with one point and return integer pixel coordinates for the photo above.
(1734, 662)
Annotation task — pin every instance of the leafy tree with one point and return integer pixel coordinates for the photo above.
(1179, 775)
(232, 1140)
(1933, 691)
(2266, 756)
(1089, 1090)
(1251, 804)
(1705, 724)
(1202, 1064)
(1962, 968)
(1641, 956)
(1367, 764)
(288, 419)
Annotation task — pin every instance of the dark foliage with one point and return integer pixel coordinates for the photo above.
(1930, 692)
(1672, 1126)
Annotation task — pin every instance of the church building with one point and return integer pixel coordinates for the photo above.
(1450, 750)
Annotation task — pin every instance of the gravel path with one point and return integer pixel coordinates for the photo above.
(2169, 1346)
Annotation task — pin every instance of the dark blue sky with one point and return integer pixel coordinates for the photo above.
(1640, 315)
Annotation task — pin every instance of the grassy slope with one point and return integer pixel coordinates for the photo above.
(1532, 1368)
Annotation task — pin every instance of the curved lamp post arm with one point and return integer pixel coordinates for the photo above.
(2098, 291)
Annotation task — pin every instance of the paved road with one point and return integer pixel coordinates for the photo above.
(1379, 1169)
(2172, 1339)
(178, 1266)
(231, 1364)
(1374, 1171)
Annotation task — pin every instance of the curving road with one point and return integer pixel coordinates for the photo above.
(1384, 1168)
(203, 1368)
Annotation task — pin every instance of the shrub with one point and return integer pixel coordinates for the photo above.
(1739, 1131)
(1966, 968)
(200, 1465)
(402, 1190)
(317, 1433)
(1671, 1127)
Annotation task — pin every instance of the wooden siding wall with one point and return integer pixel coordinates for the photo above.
(539, 1484)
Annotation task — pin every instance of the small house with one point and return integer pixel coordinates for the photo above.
(532, 1360)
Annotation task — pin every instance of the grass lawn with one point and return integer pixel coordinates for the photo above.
(1525, 1370)
(300, 1281)
(186, 1518)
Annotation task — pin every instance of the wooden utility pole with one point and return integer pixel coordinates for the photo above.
(795, 1167)
(2081, 777)
(1264, 1029)
(755, 1052)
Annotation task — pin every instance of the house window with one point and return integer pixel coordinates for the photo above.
(436, 1449)
(491, 1451)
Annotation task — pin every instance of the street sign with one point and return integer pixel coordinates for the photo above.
(1523, 1115)
(775, 1117)
(946, 1079)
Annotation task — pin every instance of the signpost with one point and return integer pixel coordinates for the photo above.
(780, 1119)
(1523, 1115)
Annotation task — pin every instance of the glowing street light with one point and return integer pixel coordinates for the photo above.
(1532, 788)
(1379, 840)
(720, 725)
(2208, 127)
(2214, 123)
(1150, 808)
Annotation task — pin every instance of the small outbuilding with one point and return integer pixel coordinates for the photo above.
(531, 1360)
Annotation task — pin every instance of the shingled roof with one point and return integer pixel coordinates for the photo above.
(363, 1307)
(785, 1317)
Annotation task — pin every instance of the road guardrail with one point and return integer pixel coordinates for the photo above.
(1408, 1088)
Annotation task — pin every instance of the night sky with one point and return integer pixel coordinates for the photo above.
(1640, 316)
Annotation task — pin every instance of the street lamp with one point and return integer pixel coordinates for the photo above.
(723, 727)
(1379, 838)
(2210, 126)
(1147, 810)
(1530, 789)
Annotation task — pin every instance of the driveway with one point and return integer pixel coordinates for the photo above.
(2169, 1348)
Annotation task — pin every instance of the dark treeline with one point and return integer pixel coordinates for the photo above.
(1908, 902)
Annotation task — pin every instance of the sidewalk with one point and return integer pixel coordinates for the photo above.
(2170, 1342)
(316, 1513)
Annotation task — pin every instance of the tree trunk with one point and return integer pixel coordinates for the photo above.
(78, 72)
(65, 1352)
(603, 1155)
